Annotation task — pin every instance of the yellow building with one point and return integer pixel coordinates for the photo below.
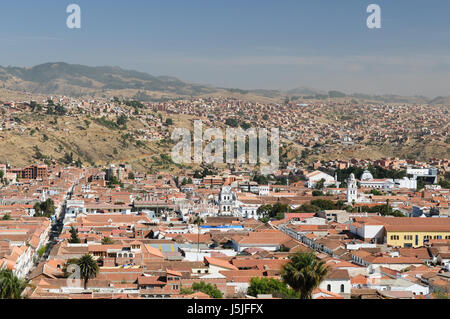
(416, 232)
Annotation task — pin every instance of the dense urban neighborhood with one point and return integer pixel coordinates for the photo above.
(93, 205)
(368, 231)
(208, 159)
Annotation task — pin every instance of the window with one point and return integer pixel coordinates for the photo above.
(329, 287)
(408, 237)
(342, 288)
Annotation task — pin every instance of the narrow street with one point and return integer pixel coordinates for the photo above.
(56, 228)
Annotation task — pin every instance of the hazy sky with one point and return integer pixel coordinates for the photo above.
(276, 44)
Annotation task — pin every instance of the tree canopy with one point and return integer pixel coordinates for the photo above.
(74, 236)
(304, 273)
(107, 241)
(276, 211)
(11, 286)
(210, 290)
(44, 209)
(275, 287)
(88, 268)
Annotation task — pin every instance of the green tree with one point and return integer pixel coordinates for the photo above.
(88, 268)
(444, 184)
(275, 287)
(376, 192)
(114, 180)
(276, 211)
(208, 289)
(186, 291)
(44, 209)
(60, 110)
(68, 158)
(107, 241)
(304, 273)
(198, 174)
(122, 120)
(320, 184)
(326, 204)
(74, 236)
(6, 217)
(11, 286)
(232, 122)
(79, 163)
(261, 179)
(245, 125)
(41, 251)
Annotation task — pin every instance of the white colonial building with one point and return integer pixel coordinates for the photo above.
(227, 202)
(316, 176)
(368, 181)
(231, 205)
(264, 190)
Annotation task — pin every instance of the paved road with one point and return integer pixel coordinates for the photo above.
(57, 227)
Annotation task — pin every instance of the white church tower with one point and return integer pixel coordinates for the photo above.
(226, 201)
(352, 189)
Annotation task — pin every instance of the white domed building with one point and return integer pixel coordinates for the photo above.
(368, 181)
(366, 176)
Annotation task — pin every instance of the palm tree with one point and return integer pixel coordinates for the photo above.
(11, 287)
(88, 268)
(198, 221)
(304, 273)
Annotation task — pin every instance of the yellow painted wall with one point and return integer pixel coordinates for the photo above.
(421, 236)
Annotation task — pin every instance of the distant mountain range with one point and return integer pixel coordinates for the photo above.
(73, 79)
(79, 80)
